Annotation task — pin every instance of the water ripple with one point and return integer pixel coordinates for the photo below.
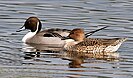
(18, 60)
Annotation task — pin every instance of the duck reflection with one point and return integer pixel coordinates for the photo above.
(33, 50)
(41, 47)
(78, 58)
(31, 55)
(75, 59)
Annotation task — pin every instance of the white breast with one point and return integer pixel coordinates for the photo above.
(28, 36)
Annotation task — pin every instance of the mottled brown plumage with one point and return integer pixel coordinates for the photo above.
(92, 45)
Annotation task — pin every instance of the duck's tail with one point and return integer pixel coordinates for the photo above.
(121, 40)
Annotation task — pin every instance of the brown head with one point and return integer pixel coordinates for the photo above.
(33, 24)
(77, 34)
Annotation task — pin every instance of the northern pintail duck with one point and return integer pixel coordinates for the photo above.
(93, 45)
(47, 36)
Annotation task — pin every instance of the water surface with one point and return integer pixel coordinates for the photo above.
(17, 62)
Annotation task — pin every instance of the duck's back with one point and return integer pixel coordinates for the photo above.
(95, 45)
(62, 32)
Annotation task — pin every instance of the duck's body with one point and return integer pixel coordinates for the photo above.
(47, 36)
(95, 45)
(92, 45)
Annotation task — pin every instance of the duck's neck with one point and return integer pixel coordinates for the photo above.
(69, 43)
(30, 34)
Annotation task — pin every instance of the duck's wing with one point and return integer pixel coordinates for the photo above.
(55, 32)
(101, 41)
(62, 32)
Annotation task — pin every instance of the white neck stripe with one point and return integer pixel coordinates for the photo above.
(37, 27)
(29, 35)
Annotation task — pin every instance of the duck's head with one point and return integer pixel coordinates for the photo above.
(77, 34)
(33, 24)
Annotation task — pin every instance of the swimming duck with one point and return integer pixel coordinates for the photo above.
(92, 45)
(47, 36)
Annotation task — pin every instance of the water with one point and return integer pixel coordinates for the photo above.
(17, 62)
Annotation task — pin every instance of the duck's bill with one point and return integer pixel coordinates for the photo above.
(21, 29)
